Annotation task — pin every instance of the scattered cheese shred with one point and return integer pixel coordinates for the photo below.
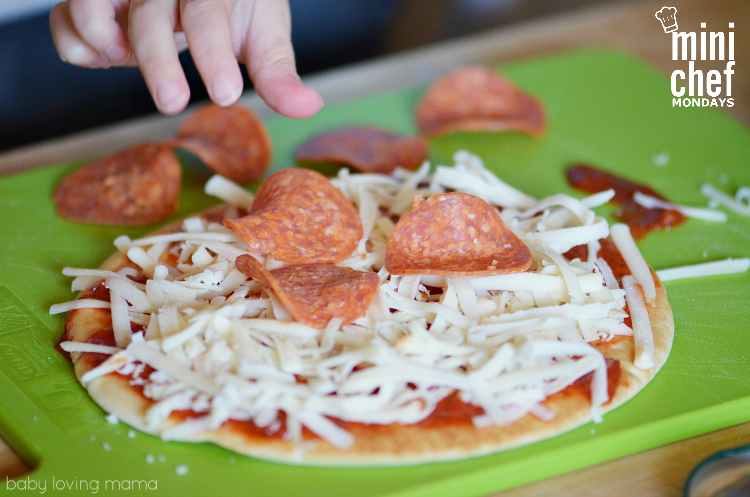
(229, 192)
(726, 266)
(642, 332)
(636, 263)
(88, 347)
(650, 202)
(738, 204)
(78, 304)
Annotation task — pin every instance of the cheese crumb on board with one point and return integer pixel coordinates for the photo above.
(660, 159)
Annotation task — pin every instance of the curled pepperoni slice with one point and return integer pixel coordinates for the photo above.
(231, 141)
(138, 185)
(315, 293)
(478, 99)
(299, 216)
(369, 150)
(454, 234)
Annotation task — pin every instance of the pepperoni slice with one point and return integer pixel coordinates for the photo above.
(369, 150)
(138, 185)
(231, 141)
(478, 99)
(454, 234)
(299, 216)
(315, 293)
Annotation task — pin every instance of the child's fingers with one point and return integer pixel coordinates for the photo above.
(270, 60)
(207, 29)
(285, 93)
(95, 22)
(151, 31)
(69, 45)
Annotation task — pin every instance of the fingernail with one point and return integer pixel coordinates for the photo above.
(322, 102)
(101, 62)
(225, 92)
(169, 97)
(117, 53)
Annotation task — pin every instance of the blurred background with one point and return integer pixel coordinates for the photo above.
(42, 97)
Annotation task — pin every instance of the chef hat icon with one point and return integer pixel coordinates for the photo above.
(668, 18)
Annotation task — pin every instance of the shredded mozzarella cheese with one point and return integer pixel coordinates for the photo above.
(633, 258)
(739, 204)
(229, 192)
(642, 332)
(78, 304)
(225, 347)
(726, 266)
(695, 212)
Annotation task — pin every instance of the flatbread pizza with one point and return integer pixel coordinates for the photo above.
(319, 351)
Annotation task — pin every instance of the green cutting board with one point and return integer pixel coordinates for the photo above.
(604, 108)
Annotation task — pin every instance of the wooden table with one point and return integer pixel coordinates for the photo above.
(627, 26)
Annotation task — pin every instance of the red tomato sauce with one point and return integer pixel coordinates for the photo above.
(640, 219)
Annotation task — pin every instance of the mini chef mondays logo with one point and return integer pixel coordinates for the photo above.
(708, 87)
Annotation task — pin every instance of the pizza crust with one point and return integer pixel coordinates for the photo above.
(375, 445)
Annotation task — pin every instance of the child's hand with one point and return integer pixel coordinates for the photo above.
(219, 33)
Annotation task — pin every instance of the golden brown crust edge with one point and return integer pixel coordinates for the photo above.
(395, 445)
